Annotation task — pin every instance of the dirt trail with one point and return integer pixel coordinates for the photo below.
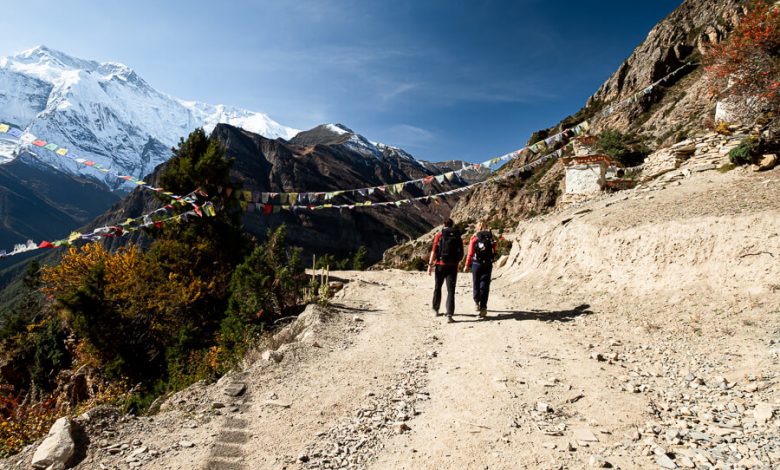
(601, 345)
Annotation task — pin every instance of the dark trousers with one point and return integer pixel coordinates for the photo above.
(480, 275)
(450, 275)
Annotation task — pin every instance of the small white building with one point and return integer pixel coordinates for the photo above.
(587, 175)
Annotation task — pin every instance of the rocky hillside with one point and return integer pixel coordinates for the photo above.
(678, 108)
(37, 203)
(684, 106)
(326, 158)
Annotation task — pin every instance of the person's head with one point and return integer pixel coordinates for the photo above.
(448, 223)
(481, 225)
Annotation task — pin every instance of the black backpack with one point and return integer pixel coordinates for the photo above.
(450, 246)
(483, 248)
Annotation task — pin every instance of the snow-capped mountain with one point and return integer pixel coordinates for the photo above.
(339, 134)
(106, 113)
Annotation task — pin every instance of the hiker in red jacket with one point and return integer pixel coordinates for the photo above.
(482, 250)
(445, 256)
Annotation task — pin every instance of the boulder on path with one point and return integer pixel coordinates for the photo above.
(57, 449)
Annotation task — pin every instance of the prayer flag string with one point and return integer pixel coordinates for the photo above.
(32, 144)
(154, 218)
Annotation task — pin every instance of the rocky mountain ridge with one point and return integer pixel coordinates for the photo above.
(319, 160)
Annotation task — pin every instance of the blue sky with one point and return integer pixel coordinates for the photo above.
(443, 79)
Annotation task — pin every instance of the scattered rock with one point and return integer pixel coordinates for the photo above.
(401, 428)
(597, 356)
(685, 462)
(542, 407)
(767, 162)
(335, 286)
(763, 412)
(278, 403)
(598, 461)
(272, 356)
(186, 444)
(585, 435)
(664, 461)
(235, 389)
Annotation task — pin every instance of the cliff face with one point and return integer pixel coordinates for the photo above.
(681, 106)
(677, 108)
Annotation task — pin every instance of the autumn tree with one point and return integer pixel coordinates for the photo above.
(746, 66)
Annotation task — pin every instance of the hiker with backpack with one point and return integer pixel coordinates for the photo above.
(482, 250)
(445, 256)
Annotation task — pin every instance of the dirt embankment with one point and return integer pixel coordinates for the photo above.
(718, 234)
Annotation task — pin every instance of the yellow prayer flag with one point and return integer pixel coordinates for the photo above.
(4, 128)
(62, 152)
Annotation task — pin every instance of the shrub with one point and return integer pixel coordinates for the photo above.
(722, 128)
(359, 260)
(744, 153)
(628, 149)
(23, 420)
(266, 286)
(416, 264)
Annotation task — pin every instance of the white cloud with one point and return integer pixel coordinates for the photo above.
(408, 136)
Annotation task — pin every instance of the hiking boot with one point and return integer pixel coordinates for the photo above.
(449, 319)
(482, 313)
(435, 312)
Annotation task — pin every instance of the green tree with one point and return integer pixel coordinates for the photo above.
(267, 285)
(625, 148)
(359, 261)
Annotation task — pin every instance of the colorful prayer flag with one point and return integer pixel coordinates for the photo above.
(4, 128)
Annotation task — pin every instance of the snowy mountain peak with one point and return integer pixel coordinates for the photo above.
(42, 55)
(339, 129)
(106, 112)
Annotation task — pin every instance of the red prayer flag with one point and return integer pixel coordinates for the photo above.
(428, 179)
(39, 143)
(268, 209)
(45, 244)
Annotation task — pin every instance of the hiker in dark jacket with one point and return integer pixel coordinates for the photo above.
(445, 256)
(482, 250)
